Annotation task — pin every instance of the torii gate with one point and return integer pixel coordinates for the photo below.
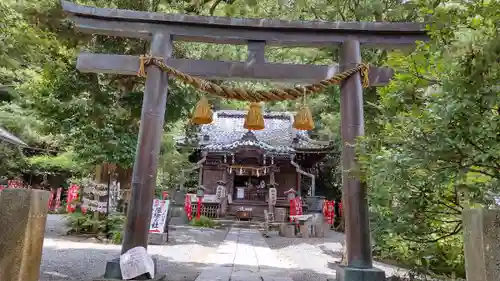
(162, 29)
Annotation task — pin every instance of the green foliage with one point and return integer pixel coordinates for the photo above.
(11, 161)
(62, 162)
(437, 148)
(171, 161)
(21, 43)
(111, 226)
(81, 223)
(203, 222)
(115, 224)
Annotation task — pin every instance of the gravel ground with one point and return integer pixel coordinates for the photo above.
(183, 259)
(55, 226)
(81, 259)
(310, 256)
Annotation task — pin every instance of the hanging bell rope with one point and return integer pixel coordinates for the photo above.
(303, 118)
(252, 96)
(254, 119)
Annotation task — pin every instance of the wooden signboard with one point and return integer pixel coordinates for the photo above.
(159, 216)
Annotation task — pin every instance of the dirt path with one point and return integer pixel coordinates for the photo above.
(182, 260)
(311, 256)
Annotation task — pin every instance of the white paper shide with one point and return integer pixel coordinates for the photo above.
(136, 262)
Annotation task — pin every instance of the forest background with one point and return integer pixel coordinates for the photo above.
(432, 143)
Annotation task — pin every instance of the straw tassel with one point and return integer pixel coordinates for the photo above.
(364, 75)
(303, 119)
(141, 72)
(203, 113)
(254, 119)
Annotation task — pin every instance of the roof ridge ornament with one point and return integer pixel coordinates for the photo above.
(249, 136)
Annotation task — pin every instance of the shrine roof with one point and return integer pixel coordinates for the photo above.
(226, 132)
(10, 138)
(249, 140)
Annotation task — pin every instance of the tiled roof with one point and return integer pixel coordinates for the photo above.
(8, 137)
(249, 140)
(226, 132)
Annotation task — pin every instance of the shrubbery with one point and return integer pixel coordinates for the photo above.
(203, 222)
(110, 226)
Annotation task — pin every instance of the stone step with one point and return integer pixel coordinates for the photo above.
(253, 224)
(245, 256)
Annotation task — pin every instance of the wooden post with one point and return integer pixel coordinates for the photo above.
(200, 176)
(357, 228)
(352, 125)
(148, 148)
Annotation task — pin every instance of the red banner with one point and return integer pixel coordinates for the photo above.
(187, 207)
(330, 209)
(164, 195)
(72, 196)
(51, 199)
(58, 198)
(293, 209)
(296, 207)
(198, 208)
(14, 184)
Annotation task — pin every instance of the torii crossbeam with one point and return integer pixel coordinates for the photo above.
(162, 29)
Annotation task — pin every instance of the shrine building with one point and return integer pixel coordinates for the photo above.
(248, 162)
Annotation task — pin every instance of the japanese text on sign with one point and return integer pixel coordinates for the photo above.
(136, 262)
(159, 216)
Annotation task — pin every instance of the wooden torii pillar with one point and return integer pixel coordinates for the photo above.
(162, 29)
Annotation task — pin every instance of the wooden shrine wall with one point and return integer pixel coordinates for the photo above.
(211, 175)
(285, 181)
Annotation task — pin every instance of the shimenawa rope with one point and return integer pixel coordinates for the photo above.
(248, 95)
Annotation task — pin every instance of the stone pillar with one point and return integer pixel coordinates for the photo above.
(280, 214)
(23, 214)
(304, 230)
(482, 244)
(318, 225)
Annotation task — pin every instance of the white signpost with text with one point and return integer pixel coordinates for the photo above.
(159, 216)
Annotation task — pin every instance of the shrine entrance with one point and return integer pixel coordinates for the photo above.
(249, 187)
(163, 29)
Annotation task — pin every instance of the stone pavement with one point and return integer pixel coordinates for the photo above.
(244, 256)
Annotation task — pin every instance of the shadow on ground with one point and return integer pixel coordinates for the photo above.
(90, 263)
(185, 256)
(67, 258)
(196, 235)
